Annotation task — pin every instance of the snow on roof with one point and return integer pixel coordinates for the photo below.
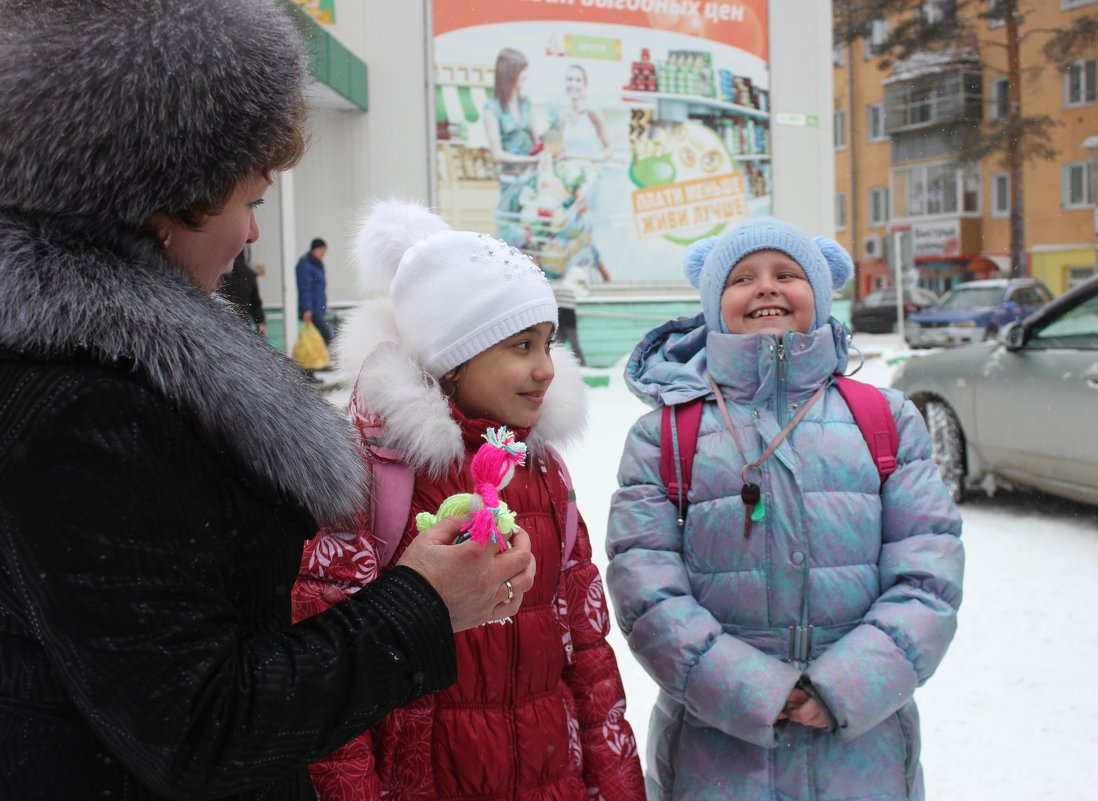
(929, 62)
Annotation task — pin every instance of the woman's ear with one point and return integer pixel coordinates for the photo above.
(161, 226)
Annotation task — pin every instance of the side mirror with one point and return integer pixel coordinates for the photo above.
(1013, 336)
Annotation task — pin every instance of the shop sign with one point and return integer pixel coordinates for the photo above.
(941, 238)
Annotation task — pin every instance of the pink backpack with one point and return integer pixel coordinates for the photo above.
(680, 424)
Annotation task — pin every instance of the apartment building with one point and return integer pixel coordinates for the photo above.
(899, 189)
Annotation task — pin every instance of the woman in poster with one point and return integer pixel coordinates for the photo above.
(508, 122)
(582, 126)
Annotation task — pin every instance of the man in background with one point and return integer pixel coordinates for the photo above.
(312, 299)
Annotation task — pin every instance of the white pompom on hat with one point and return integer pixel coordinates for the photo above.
(454, 294)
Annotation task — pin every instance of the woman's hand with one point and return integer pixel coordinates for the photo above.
(477, 583)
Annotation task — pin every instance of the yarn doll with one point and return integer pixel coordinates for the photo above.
(492, 467)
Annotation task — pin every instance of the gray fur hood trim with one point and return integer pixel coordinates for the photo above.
(390, 385)
(126, 304)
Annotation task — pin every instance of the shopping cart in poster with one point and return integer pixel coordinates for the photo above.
(548, 219)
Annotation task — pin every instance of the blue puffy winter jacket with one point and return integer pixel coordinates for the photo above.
(847, 587)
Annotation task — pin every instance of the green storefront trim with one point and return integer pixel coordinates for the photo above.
(329, 61)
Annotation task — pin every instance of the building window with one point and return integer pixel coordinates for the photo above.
(875, 122)
(878, 35)
(840, 130)
(1077, 185)
(1000, 99)
(1000, 194)
(937, 12)
(878, 206)
(838, 54)
(995, 14)
(1079, 82)
(934, 99)
(929, 190)
(840, 211)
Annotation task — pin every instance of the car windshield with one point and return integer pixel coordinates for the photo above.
(971, 297)
(1078, 328)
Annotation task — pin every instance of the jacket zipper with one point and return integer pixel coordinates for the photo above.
(779, 396)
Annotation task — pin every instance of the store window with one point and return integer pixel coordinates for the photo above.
(1000, 194)
(840, 130)
(1077, 185)
(878, 206)
(1077, 275)
(1000, 99)
(875, 122)
(878, 35)
(840, 211)
(1079, 82)
(929, 190)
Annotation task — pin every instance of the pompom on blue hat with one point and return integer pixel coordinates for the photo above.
(709, 261)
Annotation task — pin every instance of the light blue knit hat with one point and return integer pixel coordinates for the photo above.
(709, 261)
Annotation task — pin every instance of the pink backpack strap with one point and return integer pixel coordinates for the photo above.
(571, 515)
(678, 441)
(392, 482)
(874, 417)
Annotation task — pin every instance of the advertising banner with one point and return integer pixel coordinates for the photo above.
(605, 135)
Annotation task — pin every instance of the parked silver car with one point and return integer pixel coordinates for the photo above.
(1021, 410)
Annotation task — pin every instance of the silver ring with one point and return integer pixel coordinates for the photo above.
(510, 591)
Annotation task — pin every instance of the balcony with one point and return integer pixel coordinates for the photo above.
(933, 90)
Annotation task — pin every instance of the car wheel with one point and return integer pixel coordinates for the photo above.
(947, 447)
(990, 333)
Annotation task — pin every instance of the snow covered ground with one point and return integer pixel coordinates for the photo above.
(1012, 714)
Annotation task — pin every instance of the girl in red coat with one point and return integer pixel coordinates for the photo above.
(455, 339)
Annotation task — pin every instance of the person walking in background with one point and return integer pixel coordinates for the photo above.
(160, 465)
(790, 614)
(454, 341)
(241, 287)
(312, 293)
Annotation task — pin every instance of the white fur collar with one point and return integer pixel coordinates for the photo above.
(119, 301)
(393, 387)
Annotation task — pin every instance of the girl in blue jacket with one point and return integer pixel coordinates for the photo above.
(786, 628)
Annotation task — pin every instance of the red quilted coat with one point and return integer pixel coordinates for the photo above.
(537, 712)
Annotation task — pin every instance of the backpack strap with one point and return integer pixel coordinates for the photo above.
(571, 514)
(391, 483)
(874, 417)
(678, 442)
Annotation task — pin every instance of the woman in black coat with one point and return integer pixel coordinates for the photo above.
(160, 466)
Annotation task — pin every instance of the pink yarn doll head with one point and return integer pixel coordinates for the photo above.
(492, 467)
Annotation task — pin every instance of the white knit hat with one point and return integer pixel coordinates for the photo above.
(454, 293)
